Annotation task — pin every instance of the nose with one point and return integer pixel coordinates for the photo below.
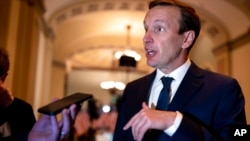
(147, 38)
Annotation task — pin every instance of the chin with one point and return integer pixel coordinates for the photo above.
(151, 64)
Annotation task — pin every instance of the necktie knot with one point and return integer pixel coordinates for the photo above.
(166, 81)
(163, 99)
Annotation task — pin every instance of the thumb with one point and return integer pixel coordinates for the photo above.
(144, 105)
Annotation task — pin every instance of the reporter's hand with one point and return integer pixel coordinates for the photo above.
(68, 120)
(48, 128)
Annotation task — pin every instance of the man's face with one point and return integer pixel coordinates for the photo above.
(162, 43)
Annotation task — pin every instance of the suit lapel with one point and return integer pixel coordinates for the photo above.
(148, 84)
(188, 87)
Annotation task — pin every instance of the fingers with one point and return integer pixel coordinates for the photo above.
(139, 128)
(55, 127)
(66, 121)
(64, 124)
(145, 106)
(45, 127)
(138, 123)
(41, 122)
(130, 122)
(73, 111)
(68, 118)
(53, 122)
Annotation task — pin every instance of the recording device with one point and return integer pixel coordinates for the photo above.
(57, 106)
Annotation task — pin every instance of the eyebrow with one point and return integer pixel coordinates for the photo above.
(162, 22)
(159, 21)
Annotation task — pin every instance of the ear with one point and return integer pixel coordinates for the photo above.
(188, 38)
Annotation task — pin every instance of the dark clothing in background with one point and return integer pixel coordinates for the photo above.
(19, 114)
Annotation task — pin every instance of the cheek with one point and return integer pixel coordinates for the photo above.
(168, 45)
(170, 49)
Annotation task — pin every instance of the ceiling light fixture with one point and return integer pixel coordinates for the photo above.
(112, 86)
(127, 58)
(128, 52)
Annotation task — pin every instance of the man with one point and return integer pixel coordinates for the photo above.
(203, 105)
(16, 115)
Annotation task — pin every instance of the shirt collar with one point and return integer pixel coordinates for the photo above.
(178, 74)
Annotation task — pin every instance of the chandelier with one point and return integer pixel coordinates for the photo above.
(112, 85)
(128, 52)
(127, 58)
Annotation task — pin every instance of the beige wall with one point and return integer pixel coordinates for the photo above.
(241, 71)
(19, 35)
(57, 82)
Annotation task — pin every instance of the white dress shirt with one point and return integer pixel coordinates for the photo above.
(178, 74)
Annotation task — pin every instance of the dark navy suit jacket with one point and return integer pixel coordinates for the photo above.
(210, 103)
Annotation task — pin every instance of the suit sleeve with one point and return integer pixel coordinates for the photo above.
(120, 134)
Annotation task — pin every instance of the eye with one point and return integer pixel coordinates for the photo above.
(159, 29)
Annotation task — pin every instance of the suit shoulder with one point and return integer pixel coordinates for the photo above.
(220, 79)
(20, 102)
(210, 77)
(219, 76)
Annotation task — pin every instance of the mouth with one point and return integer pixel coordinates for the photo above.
(150, 52)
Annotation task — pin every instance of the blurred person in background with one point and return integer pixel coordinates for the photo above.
(16, 115)
(94, 123)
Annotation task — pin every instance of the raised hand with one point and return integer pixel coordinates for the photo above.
(49, 128)
(147, 119)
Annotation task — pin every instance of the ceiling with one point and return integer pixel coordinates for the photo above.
(88, 32)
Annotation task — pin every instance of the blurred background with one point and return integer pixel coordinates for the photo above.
(59, 47)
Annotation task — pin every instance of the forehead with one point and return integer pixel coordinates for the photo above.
(169, 13)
